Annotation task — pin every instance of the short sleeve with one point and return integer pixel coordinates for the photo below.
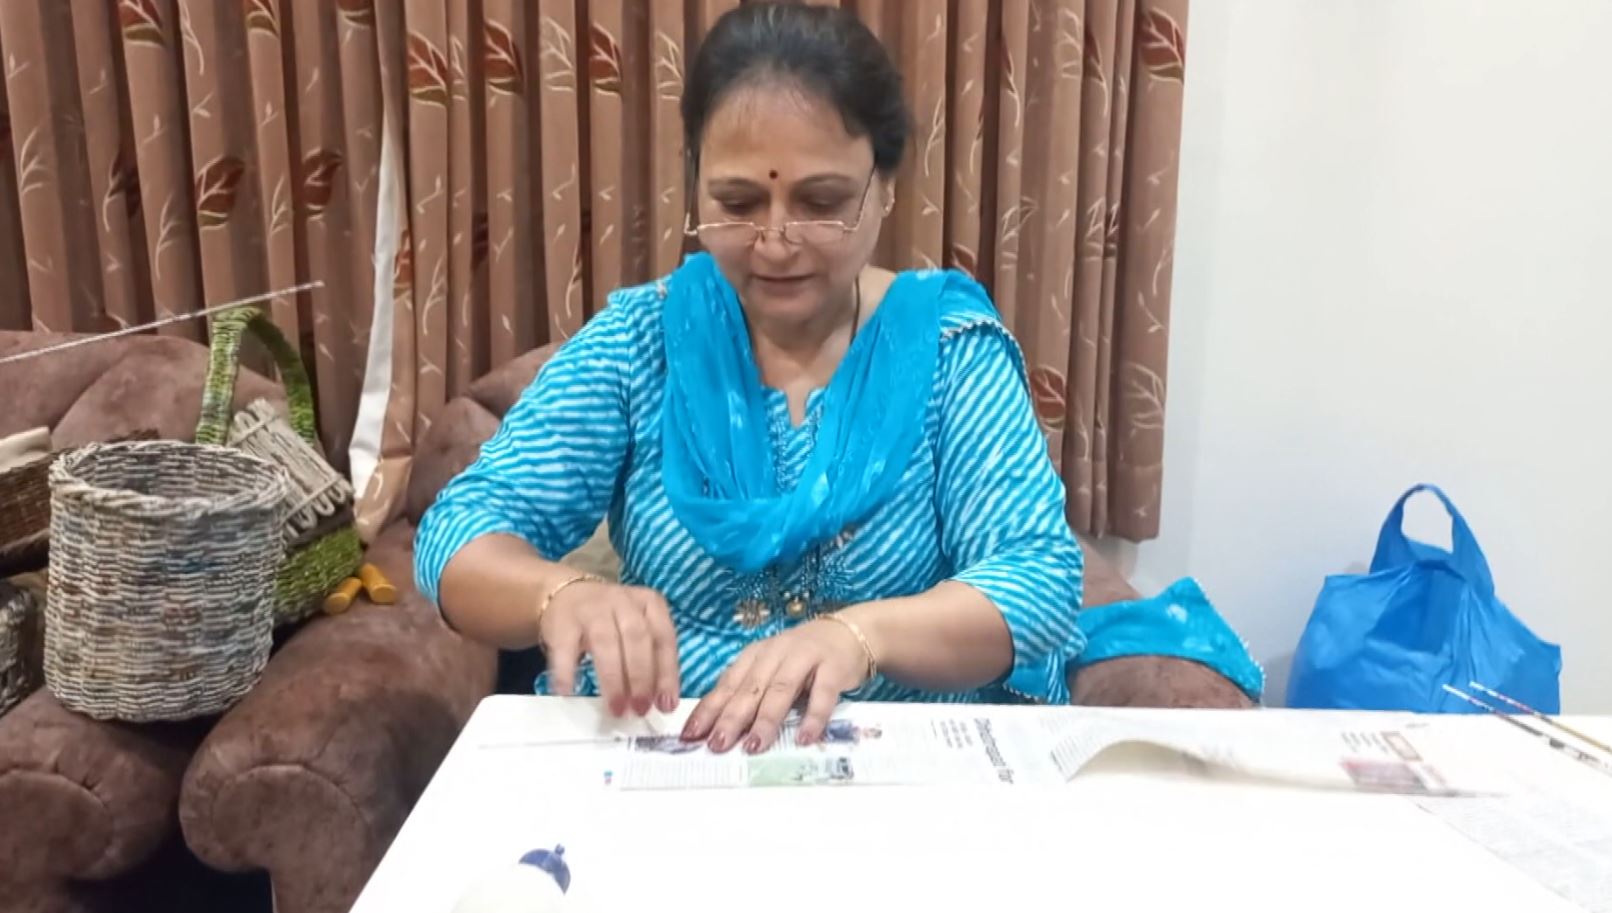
(549, 473)
(1002, 507)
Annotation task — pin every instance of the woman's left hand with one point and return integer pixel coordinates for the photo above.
(819, 660)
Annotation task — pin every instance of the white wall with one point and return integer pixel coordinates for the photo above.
(1394, 264)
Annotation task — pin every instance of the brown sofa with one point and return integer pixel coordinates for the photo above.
(309, 777)
(306, 779)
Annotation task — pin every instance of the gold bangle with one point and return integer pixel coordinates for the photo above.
(543, 607)
(856, 631)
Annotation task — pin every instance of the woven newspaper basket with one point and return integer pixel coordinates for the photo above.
(24, 498)
(19, 627)
(25, 508)
(322, 547)
(163, 556)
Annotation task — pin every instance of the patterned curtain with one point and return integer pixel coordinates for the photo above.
(507, 163)
(163, 156)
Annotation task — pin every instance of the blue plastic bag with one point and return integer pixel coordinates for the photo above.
(1421, 618)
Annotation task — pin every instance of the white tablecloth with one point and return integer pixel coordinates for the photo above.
(1139, 832)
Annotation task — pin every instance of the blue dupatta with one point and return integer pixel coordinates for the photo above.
(717, 458)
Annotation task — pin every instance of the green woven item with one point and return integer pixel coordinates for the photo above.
(315, 563)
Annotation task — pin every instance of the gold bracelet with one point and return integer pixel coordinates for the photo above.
(856, 631)
(543, 607)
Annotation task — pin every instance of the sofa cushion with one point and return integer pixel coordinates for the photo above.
(40, 390)
(498, 391)
(454, 438)
(444, 450)
(107, 389)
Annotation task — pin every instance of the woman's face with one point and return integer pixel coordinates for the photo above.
(773, 154)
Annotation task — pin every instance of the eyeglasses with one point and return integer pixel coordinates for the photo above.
(815, 232)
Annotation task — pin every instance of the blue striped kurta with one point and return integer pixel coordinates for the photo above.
(979, 502)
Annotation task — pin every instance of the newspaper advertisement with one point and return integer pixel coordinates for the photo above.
(856, 748)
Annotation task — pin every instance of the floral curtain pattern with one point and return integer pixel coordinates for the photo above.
(470, 180)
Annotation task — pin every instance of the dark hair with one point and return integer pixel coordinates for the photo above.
(824, 49)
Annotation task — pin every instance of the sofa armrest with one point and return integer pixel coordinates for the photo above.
(1154, 681)
(85, 799)
(312, 774)
(1142, 681)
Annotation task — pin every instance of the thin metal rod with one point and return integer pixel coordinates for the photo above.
(1572, 751)
(177, 318)
(1543, 718)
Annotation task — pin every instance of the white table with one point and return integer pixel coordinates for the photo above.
(1139, 834)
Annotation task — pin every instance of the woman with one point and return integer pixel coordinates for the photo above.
(822, 479)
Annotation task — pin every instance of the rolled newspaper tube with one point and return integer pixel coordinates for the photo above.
(342, 599)
(380, 590)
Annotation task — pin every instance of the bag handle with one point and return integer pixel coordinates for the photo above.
(223, 364)
(1394, 550)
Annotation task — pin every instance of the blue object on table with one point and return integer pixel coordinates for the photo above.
(1421, 618)
(552, 862)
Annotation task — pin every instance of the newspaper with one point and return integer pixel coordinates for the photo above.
(856, 748)
(1558, 840)
(1397, 759)
(1554, 824)
(1540, 813)
(863, 746)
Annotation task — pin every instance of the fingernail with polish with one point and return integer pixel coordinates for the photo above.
(752, 744)
(666, 702)
(718, 742)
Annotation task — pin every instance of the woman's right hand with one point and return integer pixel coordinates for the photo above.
(627, 630)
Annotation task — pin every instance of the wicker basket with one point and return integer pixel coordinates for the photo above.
(319, 555)
(163, 557)
(19, 627)
(25, 511)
